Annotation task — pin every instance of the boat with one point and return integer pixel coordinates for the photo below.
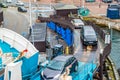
(17, 51)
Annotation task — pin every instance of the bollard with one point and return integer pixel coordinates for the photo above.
(67, 50)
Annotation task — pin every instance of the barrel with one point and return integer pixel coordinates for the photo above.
(113, 13)
(68, 38)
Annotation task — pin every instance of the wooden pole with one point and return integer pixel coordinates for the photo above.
(101, 65)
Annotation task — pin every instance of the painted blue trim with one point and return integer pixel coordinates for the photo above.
(1, 77)
(6, 48)
(29, 65)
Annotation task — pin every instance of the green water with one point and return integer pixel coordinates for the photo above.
(115, 52)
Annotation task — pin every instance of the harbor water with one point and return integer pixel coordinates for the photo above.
(115, 52)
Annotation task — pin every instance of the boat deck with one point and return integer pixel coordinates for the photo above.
(7, 54)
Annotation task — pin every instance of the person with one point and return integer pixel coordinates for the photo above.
(65, 75)
(96, 76)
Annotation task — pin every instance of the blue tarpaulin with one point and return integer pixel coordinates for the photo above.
(58, 29)
(66, 33)
(68, 38)
(52, 25)
(85, 71)
(63, 33)
(29, 65)
(48, 24)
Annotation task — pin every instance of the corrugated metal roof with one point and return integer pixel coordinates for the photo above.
(63, 6)
(38, 33)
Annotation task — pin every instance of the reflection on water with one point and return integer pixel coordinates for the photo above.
(115, 52)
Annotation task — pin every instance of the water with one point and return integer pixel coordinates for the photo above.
(115, 51)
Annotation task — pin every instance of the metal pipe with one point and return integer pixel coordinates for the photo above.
(30, 16)
(101, 64)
